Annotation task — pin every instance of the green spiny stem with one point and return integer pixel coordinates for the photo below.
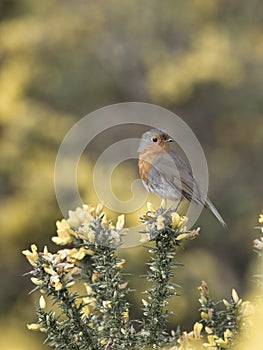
(220, 319)
(67, 303)
(159, 274)
(111, 298)
(58, 334)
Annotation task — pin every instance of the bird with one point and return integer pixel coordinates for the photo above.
(165, 173)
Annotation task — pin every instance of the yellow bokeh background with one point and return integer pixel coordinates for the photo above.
(59, 61)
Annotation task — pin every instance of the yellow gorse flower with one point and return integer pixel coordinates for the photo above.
(79, 225)
(120, 264)
(125, 315)
(160, 222)
(196, 333)
(34, 326)
(182, 222)
(80, 216)
(32, 256)
(150, 207)
(36, 281)
(63, 230)
(182, 236)
(120, 222)
(99, 209)
(175, 219)
(56, 282)
(246, 309)
(76, 254)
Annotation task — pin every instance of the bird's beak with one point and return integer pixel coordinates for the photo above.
(169, 139)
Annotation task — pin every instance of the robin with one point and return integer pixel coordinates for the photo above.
(166, 174)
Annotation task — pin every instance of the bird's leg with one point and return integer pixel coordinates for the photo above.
(177, 205)
(171, 207)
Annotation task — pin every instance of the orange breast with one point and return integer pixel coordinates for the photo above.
(147, 158)
(144, 169)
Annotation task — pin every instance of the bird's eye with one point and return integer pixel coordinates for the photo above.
(154, 139)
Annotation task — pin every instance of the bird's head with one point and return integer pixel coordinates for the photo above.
(155, 138)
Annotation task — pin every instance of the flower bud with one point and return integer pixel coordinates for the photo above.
(120, 222)
(42, 302)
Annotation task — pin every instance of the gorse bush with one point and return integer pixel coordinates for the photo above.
(84, 288)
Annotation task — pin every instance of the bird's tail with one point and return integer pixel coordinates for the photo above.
(210, 206)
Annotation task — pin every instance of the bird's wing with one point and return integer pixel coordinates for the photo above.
(177, 173)
(179, 176)
(164, 179)
(210, 206)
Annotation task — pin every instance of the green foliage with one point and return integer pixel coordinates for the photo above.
(165, 229)
(92, 260)
(99, 318)
(220, 318)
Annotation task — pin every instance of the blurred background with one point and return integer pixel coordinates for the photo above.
(201, 59)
